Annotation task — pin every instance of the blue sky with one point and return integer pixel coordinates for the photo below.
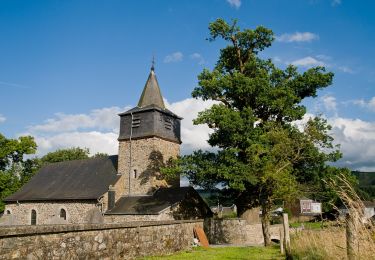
(68, 67)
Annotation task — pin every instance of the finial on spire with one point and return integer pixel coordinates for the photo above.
(153, 63)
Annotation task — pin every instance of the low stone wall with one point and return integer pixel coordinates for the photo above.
(96, 241)
(236, 231)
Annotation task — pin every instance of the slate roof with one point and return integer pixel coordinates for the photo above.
(151, 204)
(151, 94)
(71, 180)
(149, 108)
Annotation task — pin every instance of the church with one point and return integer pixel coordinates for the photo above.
(119, 188)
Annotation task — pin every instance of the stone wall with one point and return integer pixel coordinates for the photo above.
(148, 155)
(49, 212)
(165, 215)
(97, 241)
(236, 231)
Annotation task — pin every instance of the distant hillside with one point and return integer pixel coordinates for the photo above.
(366, 182)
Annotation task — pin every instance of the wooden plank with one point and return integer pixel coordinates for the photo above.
(199, 233)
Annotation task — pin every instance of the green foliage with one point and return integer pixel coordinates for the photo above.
(61, 155)
(14, 169)
(262, 154)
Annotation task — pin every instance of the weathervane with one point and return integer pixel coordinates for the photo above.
(153, 63)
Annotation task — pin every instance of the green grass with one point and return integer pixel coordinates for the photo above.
(232, 253)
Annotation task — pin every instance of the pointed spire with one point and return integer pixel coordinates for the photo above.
(151, 94)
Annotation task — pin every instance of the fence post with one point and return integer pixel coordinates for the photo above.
(282, 251)
(286, 233)
(352, 235)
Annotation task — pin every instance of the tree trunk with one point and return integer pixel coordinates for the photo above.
(266, 217)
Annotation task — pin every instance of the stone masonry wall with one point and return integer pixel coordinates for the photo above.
(96, 241)
(119, 188)
(148, 155)
(236, 231)
(49, 212)
(165, 215)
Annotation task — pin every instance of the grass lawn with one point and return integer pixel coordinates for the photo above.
(233, 253)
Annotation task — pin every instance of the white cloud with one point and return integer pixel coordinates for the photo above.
(2, 118)
(357, 140)
(198, 57)
(365, 104)
(94, 140)
(193, 136)
(104, 118)
(234, 3)
(308, 62)
(174, 57)
(329, 103)
(98, 129)
(297, 37)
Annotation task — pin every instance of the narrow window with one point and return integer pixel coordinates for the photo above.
(135, 174)
(33, 217)
(63, 214)
(8, 212)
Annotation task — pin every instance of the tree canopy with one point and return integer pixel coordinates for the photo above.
(263, 154)
(15, 170)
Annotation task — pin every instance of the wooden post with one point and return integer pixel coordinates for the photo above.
(352, 244)
(282, 250)
(286, 234)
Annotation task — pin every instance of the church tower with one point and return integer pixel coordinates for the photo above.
(149, 137)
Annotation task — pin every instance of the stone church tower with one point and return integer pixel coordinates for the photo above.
(149, 137)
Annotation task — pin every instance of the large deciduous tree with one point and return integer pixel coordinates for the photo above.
(14, 169)
(262, 154)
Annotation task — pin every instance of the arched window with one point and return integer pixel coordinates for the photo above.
(33, 217)
(135, 174)
(63, 214)
(8, 212)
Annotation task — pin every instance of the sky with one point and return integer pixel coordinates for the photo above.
(67, 68)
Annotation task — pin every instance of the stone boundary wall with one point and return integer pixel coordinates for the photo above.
(97, 241)
(237, 231)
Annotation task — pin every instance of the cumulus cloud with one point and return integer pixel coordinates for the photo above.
(365, 104)
(297, 37)
(174, 57)
(329, 103)
(95, 141)
(234, 3)
(98, 129)
(193, 136)
(2, 118)
(198, 57)
(357, 140)
(104, 118)
(308, 62)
